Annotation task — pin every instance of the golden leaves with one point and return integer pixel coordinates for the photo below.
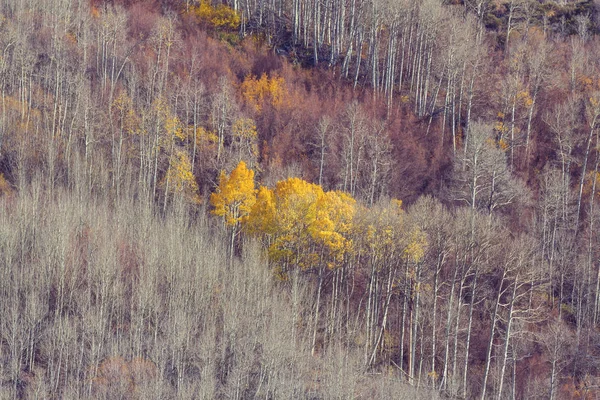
(415, 248)
(180, 177)
(302, 223)
(221, 16)
(592, 183)
(235, 196)
(129, 120)
(205, 138)
(524, 97)
(245, 139)
(5, 187)
(258, 91)
(306, 227)
(262, 217)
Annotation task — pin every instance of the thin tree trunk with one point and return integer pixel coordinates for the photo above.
(507, 338)
(488, 358)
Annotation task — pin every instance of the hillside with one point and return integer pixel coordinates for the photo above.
(299, 199)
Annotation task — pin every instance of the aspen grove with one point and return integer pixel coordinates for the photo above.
(300, 199)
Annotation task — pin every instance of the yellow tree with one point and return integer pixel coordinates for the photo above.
(386, 239)
(295, 208)
(332, 225)
(128, 127)
(258, 92)
(234, 198)
(173, 133)
(331, 232)
(219, 17)
(261, 220)
(168, 133)
(379, 242)
(304, 227)
(179, 179)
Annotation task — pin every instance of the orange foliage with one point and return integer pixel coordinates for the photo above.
(95, 12)
(118, 377)
(592, 182)
(5, 188)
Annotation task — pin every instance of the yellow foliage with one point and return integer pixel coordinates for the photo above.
(592, 178)
(174, 128)
(130, 122)
(180, 177)
(257, 91)
(221, 16)
(525, 98)
(305, 225)
(204, 138)
(417, 243)
(374, 230)
(386, 235)
(5, 188)
(235, 196)
(172, 131)
(245, 137)
(295, 204)
(262, 217)
(244, 128)
(586, 82)
(500, 127)
(333, 222)
(433, 375)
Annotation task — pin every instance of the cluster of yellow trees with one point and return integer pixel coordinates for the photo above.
(220, 16)
(258, 90)
(304, 226)
(339, 240)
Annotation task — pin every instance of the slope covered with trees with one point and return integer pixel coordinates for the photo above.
(299, 199)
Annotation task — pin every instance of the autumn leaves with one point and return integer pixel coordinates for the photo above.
(303, 226)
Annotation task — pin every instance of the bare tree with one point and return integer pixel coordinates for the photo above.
(482, 178)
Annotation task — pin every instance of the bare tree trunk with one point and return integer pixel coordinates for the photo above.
(388, 297)
(488, 358)
(317, 311)
(469, 330)
(584, 170)
(444, 381)
(507, 338)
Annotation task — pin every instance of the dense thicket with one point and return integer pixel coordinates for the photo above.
(112, 301)
(119, 119)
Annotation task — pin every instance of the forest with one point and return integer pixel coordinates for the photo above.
(300, 199)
